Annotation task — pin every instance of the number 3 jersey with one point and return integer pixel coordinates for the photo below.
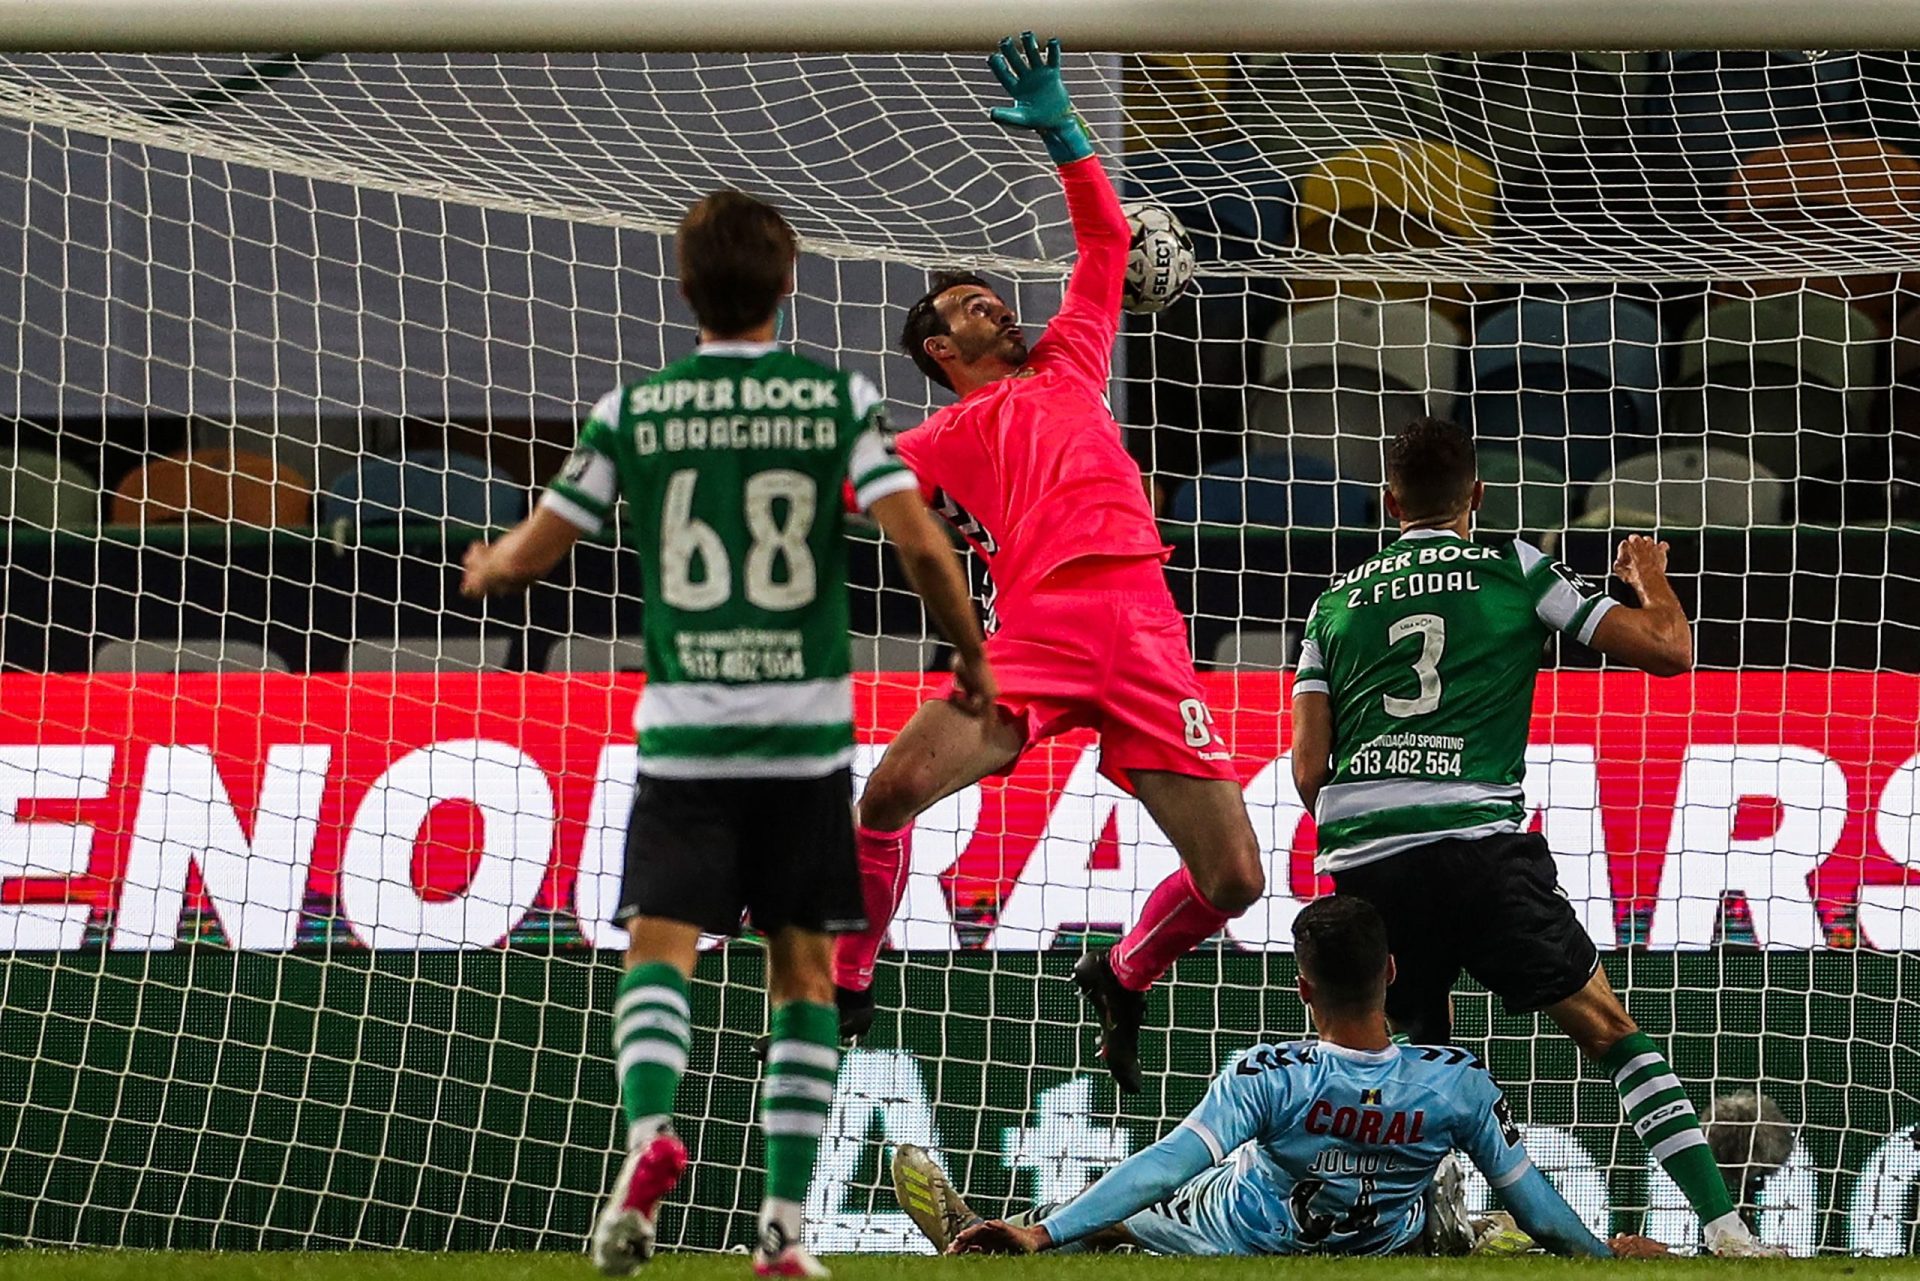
(1429, 653)
(733, 463)
(1330, 1149)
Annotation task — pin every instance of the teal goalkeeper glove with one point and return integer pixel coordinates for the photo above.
(1040, 99)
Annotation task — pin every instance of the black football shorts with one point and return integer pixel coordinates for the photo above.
(1492, 907)
(779, 851)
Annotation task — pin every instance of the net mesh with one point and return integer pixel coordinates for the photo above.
(299, 946)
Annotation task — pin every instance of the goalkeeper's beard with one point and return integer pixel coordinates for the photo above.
(1005, 345)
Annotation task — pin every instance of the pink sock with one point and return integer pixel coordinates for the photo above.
(1176, 920)
(883, 880)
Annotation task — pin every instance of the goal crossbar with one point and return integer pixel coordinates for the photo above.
(1360, 26)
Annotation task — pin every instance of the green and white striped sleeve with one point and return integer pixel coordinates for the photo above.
(1563, 600)
(873, 465)
(1310, 677)
(584, 492)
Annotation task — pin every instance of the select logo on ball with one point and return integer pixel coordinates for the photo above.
(1159, 261)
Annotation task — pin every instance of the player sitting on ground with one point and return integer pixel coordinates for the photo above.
(1410, 718)
(746, 726)
(1322, 1146)
(1031, 468)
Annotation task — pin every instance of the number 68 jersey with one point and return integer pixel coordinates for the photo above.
(1429, 652)
(733, 463)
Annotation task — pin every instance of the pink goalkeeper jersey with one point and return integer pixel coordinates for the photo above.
(1033, 470)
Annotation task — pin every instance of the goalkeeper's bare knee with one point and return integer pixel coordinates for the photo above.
(1234, 879)
(892, 799)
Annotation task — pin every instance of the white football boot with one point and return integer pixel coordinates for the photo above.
(779, 1255)
(623, 1235)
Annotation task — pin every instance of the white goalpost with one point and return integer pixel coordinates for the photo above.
(782, 25)
(304, 860)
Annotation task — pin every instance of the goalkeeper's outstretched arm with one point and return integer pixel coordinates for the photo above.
(1083, 331)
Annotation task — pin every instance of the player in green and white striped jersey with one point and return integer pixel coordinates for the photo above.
(1411, 708)
(732, 463)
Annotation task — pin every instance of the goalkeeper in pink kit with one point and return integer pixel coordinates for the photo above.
(1029, 465)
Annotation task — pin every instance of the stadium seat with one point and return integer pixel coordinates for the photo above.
(436, 487)
(429, 654)
(1264, 649)
(1230, 198)
(39, 490)
(1392, 195)
(1345, 374)
(1686, 487)
(1524, 493)
(1272, 490)
(1813, 182)
(1402, 345)
(597, 654)
(234, 485)
(1398, 194)
(154, 657)
(1575, 381)
(1517, 105)
(1836, 186)
(1300, 107)
(1890, 94)
(1781, 377)
(1610, 197)
(1179, 99)
(890, 653)
(1452, 300)
(1721, 105)
(1341, 428)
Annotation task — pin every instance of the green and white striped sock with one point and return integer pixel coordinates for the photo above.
(802, 1062)
(650, 1039)
(1661, 1114)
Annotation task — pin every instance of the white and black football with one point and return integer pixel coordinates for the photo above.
(1159, 259)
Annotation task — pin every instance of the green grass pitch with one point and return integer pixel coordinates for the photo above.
(96, 1266)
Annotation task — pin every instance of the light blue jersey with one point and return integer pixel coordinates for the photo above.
(1311, 1147)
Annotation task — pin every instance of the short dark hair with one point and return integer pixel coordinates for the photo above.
(736, 256)
(924, 321)
(1340, 944)
(1431, 469)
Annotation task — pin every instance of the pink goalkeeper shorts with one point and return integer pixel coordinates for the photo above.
(1100, 644)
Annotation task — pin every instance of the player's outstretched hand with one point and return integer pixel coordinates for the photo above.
(997, 1236)
(1640, 559)
(974, 688)
(475, 580)
(1033, 82)
(1628, 1246)
(1040, 101)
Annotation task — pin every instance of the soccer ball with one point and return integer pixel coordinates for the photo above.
(1159, 259)
(1750, 1137)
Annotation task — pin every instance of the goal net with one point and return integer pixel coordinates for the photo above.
(304, 860)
